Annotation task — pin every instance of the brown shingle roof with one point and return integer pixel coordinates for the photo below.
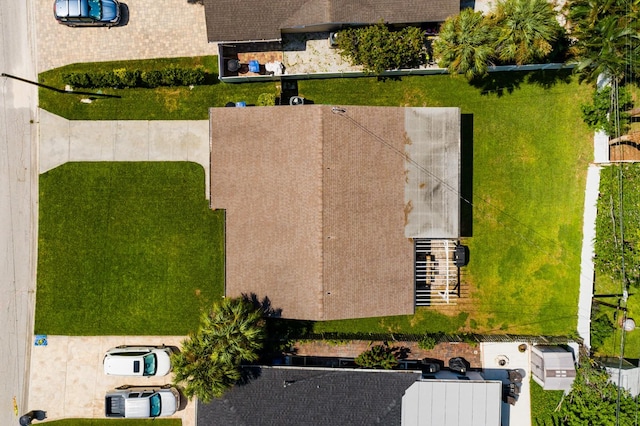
(231, 20)
(314, 208)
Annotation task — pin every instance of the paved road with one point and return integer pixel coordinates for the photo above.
(154, 29)
(18, 197)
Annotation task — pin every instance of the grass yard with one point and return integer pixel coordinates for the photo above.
(165, 103)
(530, 156)
(126, 249)
(543, 405)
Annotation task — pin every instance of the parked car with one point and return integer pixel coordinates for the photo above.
(87, 13)
(138, 361)
(141, 401)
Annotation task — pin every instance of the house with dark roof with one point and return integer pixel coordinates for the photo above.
(325, 206)
(325, 396)
(232, 21)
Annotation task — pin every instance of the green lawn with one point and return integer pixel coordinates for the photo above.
(166, 103)
(530, 156)
(543, 405)
(116, 422)
(126, 249)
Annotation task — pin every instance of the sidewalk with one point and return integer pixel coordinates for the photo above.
(63, 140)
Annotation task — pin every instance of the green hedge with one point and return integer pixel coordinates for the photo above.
(124, 78)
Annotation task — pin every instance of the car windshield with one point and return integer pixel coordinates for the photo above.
(95, 9)
(156, 405)
(150, 364)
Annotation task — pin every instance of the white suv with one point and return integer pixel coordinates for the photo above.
(138, 361)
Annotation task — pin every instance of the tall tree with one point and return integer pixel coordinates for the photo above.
(606, 37)
(526, 30)
(209, 361)
(593, 400)
(465, 44)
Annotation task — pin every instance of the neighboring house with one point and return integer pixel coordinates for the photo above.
(553, 367)
(325, 205)
(324, 396)
(231, 20)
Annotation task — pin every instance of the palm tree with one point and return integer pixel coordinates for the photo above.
(464, 44)
(606, 40)
(209, 363)
(527, 30)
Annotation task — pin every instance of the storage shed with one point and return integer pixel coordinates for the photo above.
(553, 367)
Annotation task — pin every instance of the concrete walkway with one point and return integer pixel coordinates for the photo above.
(592, 192)
(63, 140)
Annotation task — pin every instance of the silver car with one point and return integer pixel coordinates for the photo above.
(138, 361)
(141, 401)
(87, 13)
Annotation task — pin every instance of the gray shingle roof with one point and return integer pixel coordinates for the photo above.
(232, 20)
(296, 396)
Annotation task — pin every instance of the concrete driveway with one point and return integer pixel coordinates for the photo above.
(67, 380)
(62, 140)
(152, 29)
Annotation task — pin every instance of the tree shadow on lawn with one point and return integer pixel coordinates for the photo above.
(501, 83)
(280, 333)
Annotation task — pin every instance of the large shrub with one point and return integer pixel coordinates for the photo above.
(378, 49)
(121, 78)
(379, 356)
(601, 115)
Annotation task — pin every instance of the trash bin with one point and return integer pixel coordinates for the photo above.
(26, 419)
(254, 66)
(296, 100)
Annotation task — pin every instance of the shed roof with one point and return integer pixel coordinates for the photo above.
(628, 377)
(308, 396)
(452, 403)
(316, 203)
(553, 367)
(230, 20)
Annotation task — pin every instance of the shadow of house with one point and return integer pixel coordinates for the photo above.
(324, 205)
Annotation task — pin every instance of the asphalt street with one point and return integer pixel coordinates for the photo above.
(18, 203)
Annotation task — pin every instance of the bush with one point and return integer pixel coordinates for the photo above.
(266, 99)
(601, 328)
(122, 77)
(151, 79)
(427, 342)
(379, 356)
(126, 78)
(77, 79)
(378, 49)
(600, 113)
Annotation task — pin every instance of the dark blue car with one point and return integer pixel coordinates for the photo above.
(87, 13)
